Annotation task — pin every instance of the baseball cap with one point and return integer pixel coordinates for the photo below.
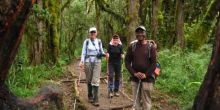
(92, 29)
(142, 28)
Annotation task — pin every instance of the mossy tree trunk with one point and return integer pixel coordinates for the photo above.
(180, 22)
(12, 22)
(132, 19)
(155, 7)
(208, 97)
(98, 16)
(13, 17)
(143, 11)
(53, 38)
(168, 36)
(36, 36)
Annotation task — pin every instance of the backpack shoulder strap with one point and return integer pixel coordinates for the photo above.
(99, 43)
(133, 45)
(151, 44)
(87, 43)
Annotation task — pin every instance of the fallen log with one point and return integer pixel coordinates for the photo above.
(81, 80)
(76, 89)
(122, 92)
(49, 97)
(117, 107)
(78, 102)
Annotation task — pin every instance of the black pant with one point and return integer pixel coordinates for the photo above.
(114, 70)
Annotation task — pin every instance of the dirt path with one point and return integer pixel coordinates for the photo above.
(160, 101)
(104, 101)
(66, 85)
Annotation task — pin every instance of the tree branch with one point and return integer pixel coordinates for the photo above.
(114, 14)
(66, 5)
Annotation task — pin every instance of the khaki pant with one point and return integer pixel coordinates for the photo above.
(143, 101)
(92, 71)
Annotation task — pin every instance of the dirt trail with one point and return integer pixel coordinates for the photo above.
(160, 101)
(104, 101)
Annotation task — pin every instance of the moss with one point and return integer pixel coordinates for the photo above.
(53, 7)
(160, 17)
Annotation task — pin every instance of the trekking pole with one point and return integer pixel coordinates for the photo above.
(135, 101)
(80, 73)
(78, 82)
(122, 77)
(108, 86)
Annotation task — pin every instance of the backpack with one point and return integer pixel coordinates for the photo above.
(87, 43)
(152, 43)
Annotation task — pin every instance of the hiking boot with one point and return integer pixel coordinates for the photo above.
(89, 87)
(95, 95)
(116, 94)
(110, 95)
(95, 104)
(90, 99)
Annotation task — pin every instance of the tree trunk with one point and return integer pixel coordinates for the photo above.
(180, 22)
(53, 38)
(12, 21)
(208, 97)
(36, 38)
(132, 19)
(98, 17)
(11, 30)
(155, 5)
(143, 11)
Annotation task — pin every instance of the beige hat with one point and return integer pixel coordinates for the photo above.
(92, 29)
(142, 28)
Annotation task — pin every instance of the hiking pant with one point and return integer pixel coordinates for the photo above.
(143, 101)
(114, 76)
(92, 71)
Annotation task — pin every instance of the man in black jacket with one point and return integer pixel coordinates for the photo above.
(140, 61)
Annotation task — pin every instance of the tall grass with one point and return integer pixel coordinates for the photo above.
(25, 81)
(182, 73)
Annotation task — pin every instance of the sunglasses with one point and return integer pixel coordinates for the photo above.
(92, 32)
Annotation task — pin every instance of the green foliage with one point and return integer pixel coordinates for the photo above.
(202, 30)
(182, 72)
(41, 12)
(160, 18)
(25, 81)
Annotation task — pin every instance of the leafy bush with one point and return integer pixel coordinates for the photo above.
(182, 72)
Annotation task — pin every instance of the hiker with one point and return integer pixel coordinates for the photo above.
(92, 52)
(114, 54)
(140, 60)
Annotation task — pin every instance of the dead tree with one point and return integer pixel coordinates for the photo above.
(13, 15)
